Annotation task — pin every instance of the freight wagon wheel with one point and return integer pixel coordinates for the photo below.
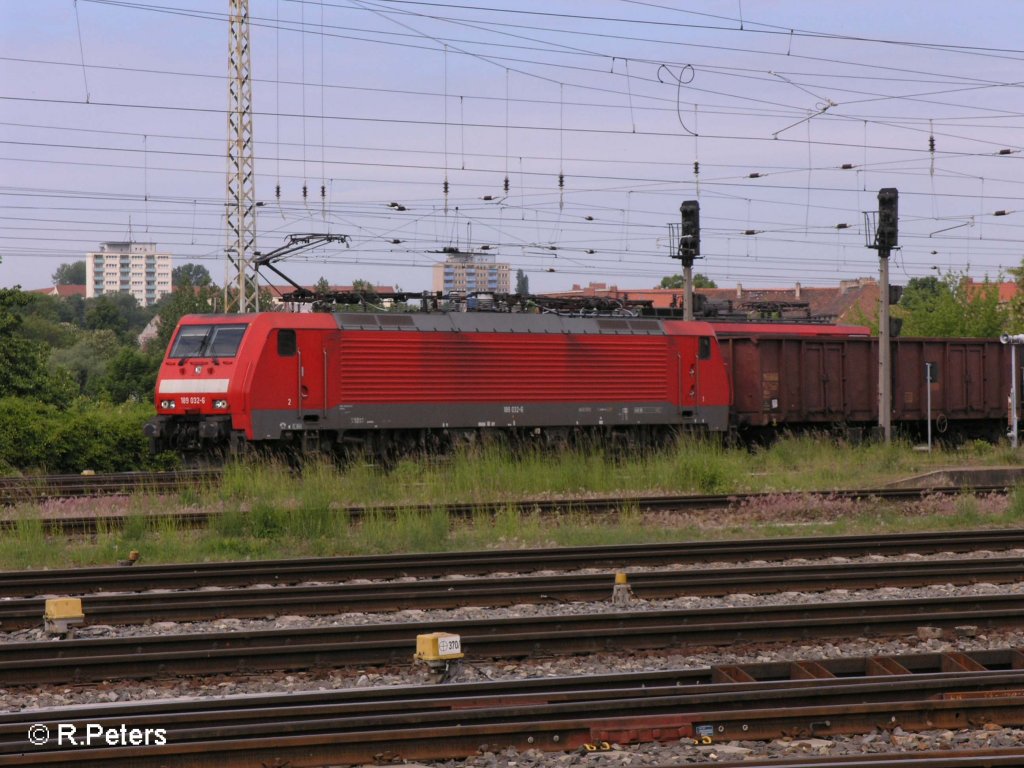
(941, 424)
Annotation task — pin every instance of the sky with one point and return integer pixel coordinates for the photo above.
(783, 118)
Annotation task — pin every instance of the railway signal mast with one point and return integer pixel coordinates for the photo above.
(886, 239)
(687, 249)
(241, 178)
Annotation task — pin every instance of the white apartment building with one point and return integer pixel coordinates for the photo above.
(466, 272)
(128, 267)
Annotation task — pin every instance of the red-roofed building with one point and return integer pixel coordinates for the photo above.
(1007, 291)
(64, 291)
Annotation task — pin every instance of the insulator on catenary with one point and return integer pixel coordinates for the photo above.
(305, 191)
(277, 191)
(323, 191)
(696, 168)
(506, 183)
(931, 143)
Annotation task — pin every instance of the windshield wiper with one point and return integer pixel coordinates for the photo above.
(199, 348)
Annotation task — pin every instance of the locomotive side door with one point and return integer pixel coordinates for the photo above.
(311, 373)
(703, 361)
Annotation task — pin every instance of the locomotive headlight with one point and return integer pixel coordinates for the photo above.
(169, 404)
(220, 404)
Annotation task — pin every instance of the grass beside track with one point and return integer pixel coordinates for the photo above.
(269, 512)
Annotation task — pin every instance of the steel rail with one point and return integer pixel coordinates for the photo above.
(441, 564)
(134, 608)
(393, 643)
(565, 716)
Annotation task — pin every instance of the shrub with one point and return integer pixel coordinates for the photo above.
(87, 435)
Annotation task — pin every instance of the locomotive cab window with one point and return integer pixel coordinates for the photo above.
(286, 344)
(207, 341)
(703, 347)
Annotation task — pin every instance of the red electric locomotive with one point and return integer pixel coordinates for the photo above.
(388, 381)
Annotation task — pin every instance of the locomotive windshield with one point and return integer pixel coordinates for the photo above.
(207, 341)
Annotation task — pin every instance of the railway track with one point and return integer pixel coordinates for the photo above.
(758, 701)
(260, 602)
(14, 490)
(29, 663)
(35, 488)
(434, 565)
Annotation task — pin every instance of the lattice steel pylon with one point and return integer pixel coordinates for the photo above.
(240, 290)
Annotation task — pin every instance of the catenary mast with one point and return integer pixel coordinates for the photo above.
(240, 290)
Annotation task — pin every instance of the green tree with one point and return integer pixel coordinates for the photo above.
(88, 359)
(522, 283)
(105, 314)
(364, 286)
(45, 318)
(950, 305)
(322, 287)
(71, 309)
(1015, 313)
(196, 274)
(676, 281)
(131, 376)
(70, 274)
(24, 370)
(118, 312)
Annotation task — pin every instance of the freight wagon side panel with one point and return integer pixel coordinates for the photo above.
(805, 382)
(787, 381)
(971, 384)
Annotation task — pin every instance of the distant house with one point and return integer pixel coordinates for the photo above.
(129, 267)
(150, 332)
(464, 272)
(1007, 290)
(63, 291)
